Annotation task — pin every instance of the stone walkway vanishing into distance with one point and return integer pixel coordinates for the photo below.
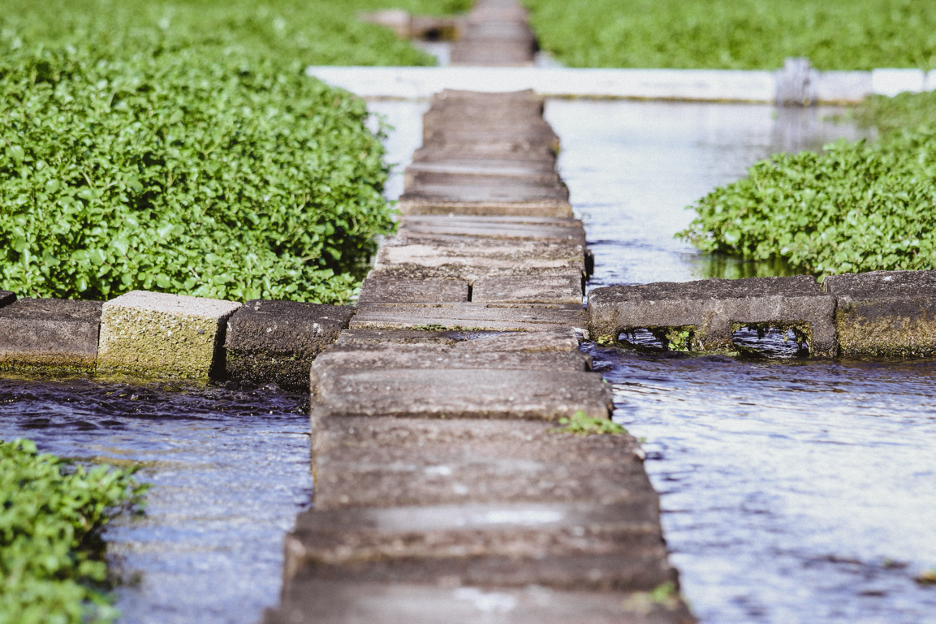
(443, 490)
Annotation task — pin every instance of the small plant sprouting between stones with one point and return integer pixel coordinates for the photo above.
(583, 424)
(664, 595)
(927, 577)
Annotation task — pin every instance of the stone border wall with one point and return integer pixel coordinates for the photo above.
(882, 313)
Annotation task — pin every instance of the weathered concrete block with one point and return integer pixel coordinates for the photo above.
(276, 341)
(416, 179)
(164, 335)
(469, 393)
(530, 228)
(50, 334)
(559, 339)
(323, 601)
(481, 257)
(494, 191)
(395, 290)
(707, 311)
(538, 289)
(374, 337)
(469, 316)
(567, 546)
(385, 462)
(885, 313)
(441, 356)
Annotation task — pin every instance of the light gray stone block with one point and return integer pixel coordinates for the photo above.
(396, 290)
(529, 289)
(49, 334)
(469, 317)
(158, 334)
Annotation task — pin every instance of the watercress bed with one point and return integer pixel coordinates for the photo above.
(854, 207)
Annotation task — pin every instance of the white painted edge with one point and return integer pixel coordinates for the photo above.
(411, 83)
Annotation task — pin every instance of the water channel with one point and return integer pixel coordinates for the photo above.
(793, 491)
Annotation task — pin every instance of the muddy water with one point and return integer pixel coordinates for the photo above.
(794, 491)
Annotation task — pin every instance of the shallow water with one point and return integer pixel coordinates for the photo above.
(229, 471)
(794, 491)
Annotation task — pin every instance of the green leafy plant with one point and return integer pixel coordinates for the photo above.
(176, 169)
(737, 34)
(855, 207)
(582, 424)
(51, 516)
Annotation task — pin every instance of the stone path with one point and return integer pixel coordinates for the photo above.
(446, 489)
(495, 33)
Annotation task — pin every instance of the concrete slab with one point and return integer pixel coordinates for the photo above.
(538, 289)
(473, 259)
(467, 166)
(515, 154)
(523, 228)
(323, 601)
(442, 357)
(276, 341)
(469, 316)
(561, 339)
(392, 290)
(707, 311)
(414, 179)
(885, 313)
(384, 462)
(469, 393)
(48, 334)
(164, 335)
(424, 205)
(398, 336)
(578, 546)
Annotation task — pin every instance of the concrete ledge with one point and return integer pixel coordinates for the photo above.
(707, 311)
(158, 334)
(469, 316)
(459, 393)
(885, 313)
(48, 334)
(276, 341)
(397, 290)
(341, 602)
(663, 84)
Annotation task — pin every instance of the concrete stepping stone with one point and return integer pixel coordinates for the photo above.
(385, 462)
(53, 334)
(158, 334)
(416, 179)
(532, 289)
(481, 256)
(440, 356)
(459, 393)
(709, 310)
(568, 546)
(559, 339)
(469, 316)
(394, 290)
(885, 313)
(482, 167)
(276, 341)
(516, 154)
(323, 601)
(529, 228)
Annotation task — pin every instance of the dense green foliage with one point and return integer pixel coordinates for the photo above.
(737, 34)
(175, 146)
(307, 32)
(176, 170)
(50, 521)
(855, 207)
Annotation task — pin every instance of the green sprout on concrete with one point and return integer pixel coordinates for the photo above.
(664, 595)
(582, 424)
(927, 577)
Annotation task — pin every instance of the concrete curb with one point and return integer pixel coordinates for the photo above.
(654, 84)
(876, 314)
